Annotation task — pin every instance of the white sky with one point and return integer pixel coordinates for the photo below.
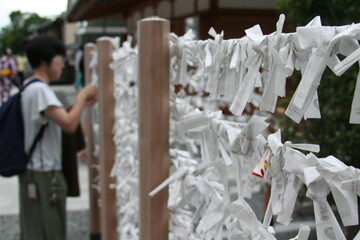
(44, 8)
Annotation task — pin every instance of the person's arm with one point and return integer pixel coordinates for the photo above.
(68, 121)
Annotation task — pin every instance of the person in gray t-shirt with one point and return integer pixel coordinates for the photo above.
(42, 186)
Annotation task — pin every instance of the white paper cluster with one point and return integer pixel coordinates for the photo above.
(95, 108)
(125, 138)
(229, 69)
(208, 151)
(95, 182)
(201, 203)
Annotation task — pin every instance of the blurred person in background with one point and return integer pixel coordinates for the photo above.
(7, 75)
(79, 68)
(21, 61)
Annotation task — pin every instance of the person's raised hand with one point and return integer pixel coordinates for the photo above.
(90, 94)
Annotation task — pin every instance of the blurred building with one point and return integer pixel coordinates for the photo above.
(232, 16)
(76, 34)
(87, 20)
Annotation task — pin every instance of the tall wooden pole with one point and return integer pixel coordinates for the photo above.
(154, 55)
(108, 210)
(94, 195)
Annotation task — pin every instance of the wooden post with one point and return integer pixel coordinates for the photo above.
(94, 195)
(108, 208)
(154, 55)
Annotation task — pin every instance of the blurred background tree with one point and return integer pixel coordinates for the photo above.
(22, 25)
(333, 132)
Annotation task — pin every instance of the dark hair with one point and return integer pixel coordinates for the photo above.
(43, 49)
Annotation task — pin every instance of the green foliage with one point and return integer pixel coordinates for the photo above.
(333, 132)
(332, 12)
(22, 26)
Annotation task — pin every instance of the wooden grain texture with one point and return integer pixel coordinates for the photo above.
(94, 196)
(153, 80)
(108, 210)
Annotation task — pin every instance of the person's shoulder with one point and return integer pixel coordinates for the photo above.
(37, 86)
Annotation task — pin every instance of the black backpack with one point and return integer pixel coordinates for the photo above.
(13, 158)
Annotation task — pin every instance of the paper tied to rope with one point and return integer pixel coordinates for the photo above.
(240, 145)
(209, 190)
(213, 215)
(310, 49)
(93, 65)
(115, 42)
(296, 161)
(278, 184)
(261, 166)
(335, 172)
(125, 137)
(302, 53)
(214, 58)
(349, 47)
(253, 63)
(248, 221)
(277, 54)
(122, 52)
(124, 65)
(351, 185)
(179, 50)
(248, 137)
(224, 144)
(274, 142)
(95, 129)
(245, 91)
(339, 69)
(276, 80)
(327, 227)
(226, 132)
(292, 189)
(196, 121)
(306, 90)
(185, 165)
(303, 234)
(322, 41)
(318, 188)
(286, 185)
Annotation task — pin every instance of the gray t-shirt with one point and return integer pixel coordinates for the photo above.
(47, 154)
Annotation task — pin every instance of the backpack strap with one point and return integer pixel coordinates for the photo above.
(40, 134)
